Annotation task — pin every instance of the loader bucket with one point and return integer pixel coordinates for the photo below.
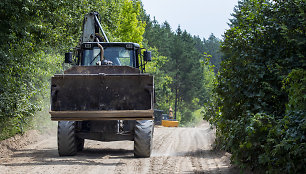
(102, 93)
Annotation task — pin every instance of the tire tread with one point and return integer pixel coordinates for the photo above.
(143, 138)
(66, 138)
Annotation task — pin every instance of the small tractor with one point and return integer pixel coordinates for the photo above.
(165, 119)
(105, 95)
(168, 120)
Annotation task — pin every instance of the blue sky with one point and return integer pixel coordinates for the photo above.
(198, 17)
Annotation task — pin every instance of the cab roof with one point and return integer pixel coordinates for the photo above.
(112, 44)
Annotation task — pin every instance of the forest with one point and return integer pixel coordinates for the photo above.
(250, 85)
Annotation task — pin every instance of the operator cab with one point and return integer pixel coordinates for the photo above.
(91, 51)
(116, 53)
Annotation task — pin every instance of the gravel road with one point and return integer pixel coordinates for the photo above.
(175, 150)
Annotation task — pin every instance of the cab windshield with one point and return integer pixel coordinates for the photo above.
(117, 55)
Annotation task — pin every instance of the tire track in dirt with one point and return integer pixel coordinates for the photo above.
(183, 161)
(162, 160)
(147, 163)
(194, 157)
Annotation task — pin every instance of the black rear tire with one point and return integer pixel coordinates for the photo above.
(143, 139)
(66, 138)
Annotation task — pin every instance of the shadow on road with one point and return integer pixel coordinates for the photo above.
(51, 157)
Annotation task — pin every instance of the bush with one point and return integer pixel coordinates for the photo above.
(284, 148)
(259, 108)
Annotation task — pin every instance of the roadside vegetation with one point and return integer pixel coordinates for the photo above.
(259, 108)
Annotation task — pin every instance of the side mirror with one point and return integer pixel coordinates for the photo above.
(68, 57)
(147, 56)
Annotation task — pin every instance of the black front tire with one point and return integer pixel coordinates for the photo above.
(143, 140)
(66, 138)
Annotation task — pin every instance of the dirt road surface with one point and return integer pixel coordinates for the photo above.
(175, 150)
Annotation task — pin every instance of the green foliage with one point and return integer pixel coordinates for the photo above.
(130, 29)
(209, 79)
(284, 146)
(34, 36)
(295, 85)
(162, 81)
(186, 78)
(187, 73)
(260, 96)
(212, 47)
